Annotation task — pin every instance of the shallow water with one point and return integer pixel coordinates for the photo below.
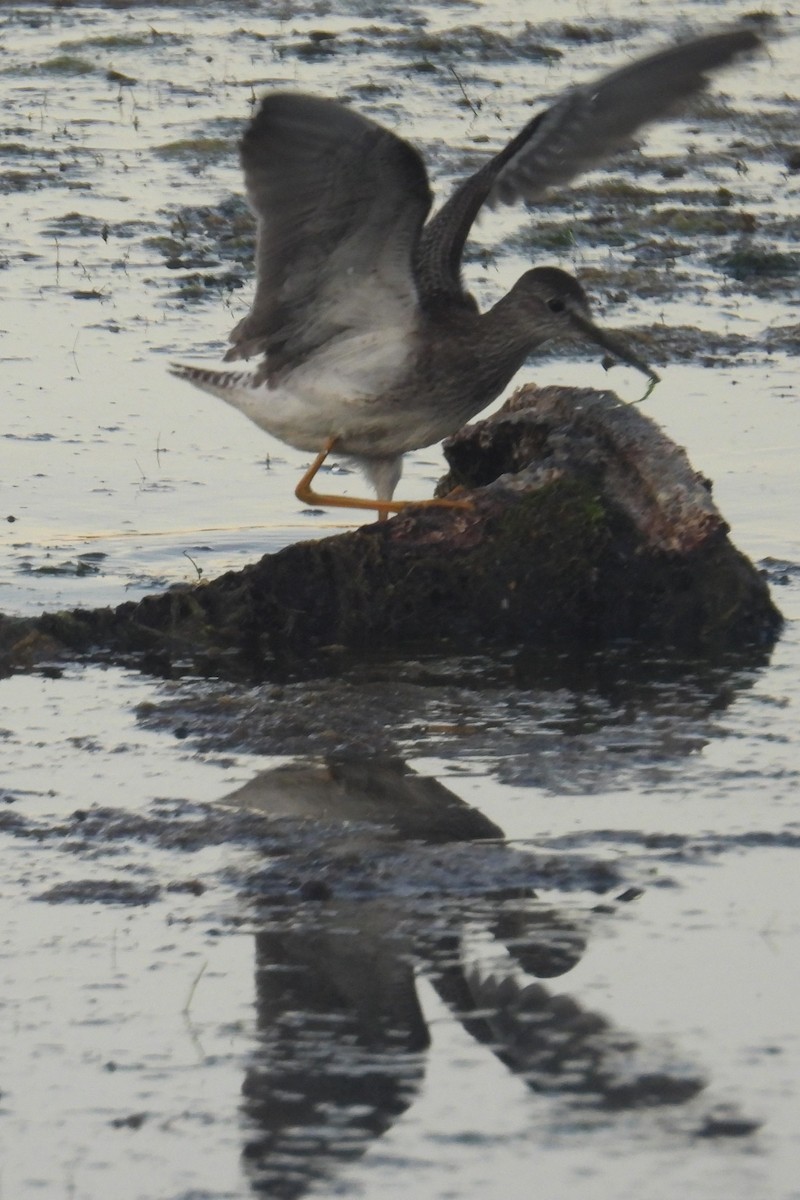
(170, 1026)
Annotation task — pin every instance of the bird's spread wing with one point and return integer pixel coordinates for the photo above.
(339, 203)
(591, 122)
(577, 133)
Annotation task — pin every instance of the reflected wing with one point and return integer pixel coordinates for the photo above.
(577, 133)
(339, 203)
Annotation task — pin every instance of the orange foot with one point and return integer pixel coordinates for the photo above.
(306, 493)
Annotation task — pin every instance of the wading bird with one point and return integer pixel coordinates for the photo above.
(368, 343)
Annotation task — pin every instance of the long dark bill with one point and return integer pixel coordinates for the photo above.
(613, 344)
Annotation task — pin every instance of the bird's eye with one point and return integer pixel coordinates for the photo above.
(556, 305)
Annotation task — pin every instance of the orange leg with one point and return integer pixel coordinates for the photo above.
(306, 493)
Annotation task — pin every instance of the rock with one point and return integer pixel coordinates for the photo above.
(588, 525)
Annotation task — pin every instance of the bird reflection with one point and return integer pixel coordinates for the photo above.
(341, 1037)
(340, 1046)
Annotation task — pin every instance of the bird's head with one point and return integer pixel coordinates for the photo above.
(557, 306)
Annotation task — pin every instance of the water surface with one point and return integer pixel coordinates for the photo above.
(500, 923)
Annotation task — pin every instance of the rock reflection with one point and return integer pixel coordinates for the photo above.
(380, 792)
(342, 1040)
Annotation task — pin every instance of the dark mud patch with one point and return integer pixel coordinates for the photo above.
(209, 248)
(473, 44)
(464, 858)
(83, 564)
(710, 348)
(121, 41)
(304, 859)
(101, 891)
(195, 150)
(759, 265)
(779, 571)
(681, 848)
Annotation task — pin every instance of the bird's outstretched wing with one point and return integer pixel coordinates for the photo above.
(575, 134)
(339, 203)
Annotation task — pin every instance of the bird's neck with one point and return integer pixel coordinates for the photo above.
(508, 336)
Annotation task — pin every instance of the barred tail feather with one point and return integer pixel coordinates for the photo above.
(218, 383)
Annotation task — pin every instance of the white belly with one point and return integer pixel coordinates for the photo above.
(345, 391)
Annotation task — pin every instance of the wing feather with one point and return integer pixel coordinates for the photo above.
(575, 134)
(339, 203)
